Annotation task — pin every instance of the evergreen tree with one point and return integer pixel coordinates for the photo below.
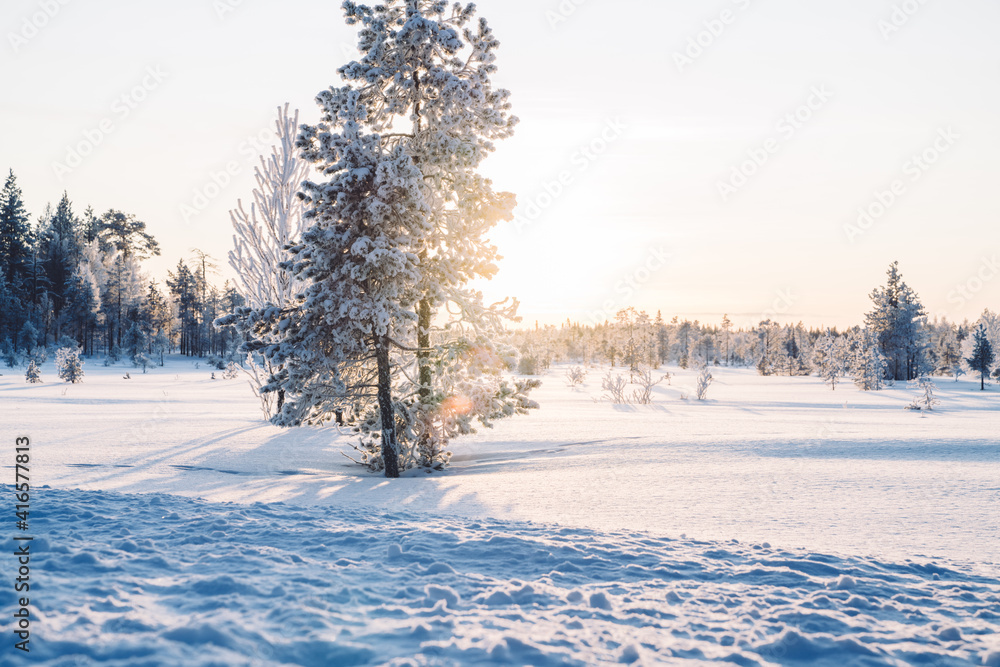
(869, 364)
(7, 354)
(397, 232)
(829, 359)
(125, 238)
(134, 346)
(68, 364)
(33, 375)
(949, 357)
(90, 226)
(770, 352)
(60, 251)
(896, 321)
(727, 326)
(15, 237)
(982, 357)
(12, 314)
(184, 287)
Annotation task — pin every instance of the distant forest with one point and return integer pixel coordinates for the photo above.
(77, 280)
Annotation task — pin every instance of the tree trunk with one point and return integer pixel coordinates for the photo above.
(390, 453)
(423, 345)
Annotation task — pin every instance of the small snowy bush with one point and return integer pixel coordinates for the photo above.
(703, 381)
(141, 360)
(33, 375)
(614, 385)
(528, 364)
(576, 376)
(232, 371)
(925, 399)
(644, 378)
(68, 364)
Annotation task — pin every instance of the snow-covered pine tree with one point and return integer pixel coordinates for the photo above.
(770, 350)
(15, 240)
(134, 344)
(829, 358)
(34, 374)
(68, 364)
(983, 356)
(161, 345)
(398, 231)
(949, 354)
(925, 399)
(897, 321)
(868, 365)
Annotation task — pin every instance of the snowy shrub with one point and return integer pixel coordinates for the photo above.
(702, 382)
(231, 372)
(33, 375)
(528, 364)
(576, 376)
(216, 362)
(614, 385)
(925, 399)
(644, 378)
(68, 364)
(141, 360)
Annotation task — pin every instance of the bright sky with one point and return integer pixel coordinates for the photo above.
(696, 158)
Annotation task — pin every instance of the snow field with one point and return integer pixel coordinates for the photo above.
(776, 459)
(162, 580)
(583, 534)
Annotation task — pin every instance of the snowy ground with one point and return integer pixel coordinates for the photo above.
(156, 579)
(883, 523)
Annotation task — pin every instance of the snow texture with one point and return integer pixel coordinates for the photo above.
(157, 579)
